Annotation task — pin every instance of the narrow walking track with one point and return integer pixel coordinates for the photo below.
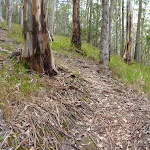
(121, 115)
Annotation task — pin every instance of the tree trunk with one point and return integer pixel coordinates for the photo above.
(21, 15)
(36, 53)
(122, 46)
(86, 14)
(1, 19)
(141, 42)
(52, 18)
(137, 45)
(97, 17)
(128, 46)
(9, 12)
(116, 22)
(47, 13)
(110, 23)
(87, 21)
(76, 36)
(104, 43)
(89, 30)
(116, 41)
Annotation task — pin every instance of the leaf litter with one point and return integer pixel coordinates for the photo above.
(76, 111)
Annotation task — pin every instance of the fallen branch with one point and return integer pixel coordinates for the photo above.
(6, 51)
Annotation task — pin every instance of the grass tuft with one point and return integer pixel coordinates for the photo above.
(15, 80)
(134, 73)
(15, 32)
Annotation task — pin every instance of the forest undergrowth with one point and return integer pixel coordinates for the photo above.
(76, 110)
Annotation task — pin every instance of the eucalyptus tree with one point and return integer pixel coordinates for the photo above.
(1, 19)
(110, 23)
(89, 23)
(52, 17)
(137, 45)
(36, 53)
(76, 35)
(9, 12)
(104, 43)
(129, 30)
(122, 40)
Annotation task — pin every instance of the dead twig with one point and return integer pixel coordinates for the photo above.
(94, 141)
(33, 130)
(6, 51)
(21, 142)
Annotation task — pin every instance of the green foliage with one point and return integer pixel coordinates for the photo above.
(15, 82)
(131, 73)
(63, 44)
(15, 32)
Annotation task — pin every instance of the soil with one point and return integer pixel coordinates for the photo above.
(79, 109)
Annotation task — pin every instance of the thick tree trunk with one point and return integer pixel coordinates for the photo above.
(122, 45)
(76, 36)
(89, 30)
(1, 19)
(52, 17)
(110, 23)
(36, 53)
(137, 45)
(128, 46)
(9, 12)
(104, 43)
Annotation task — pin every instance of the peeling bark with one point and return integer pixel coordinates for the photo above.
(36, 53)
(76, 36)
(128, 46)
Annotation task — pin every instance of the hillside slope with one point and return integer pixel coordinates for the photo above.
(76, 110)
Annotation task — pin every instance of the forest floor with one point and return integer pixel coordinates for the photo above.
(78, 109)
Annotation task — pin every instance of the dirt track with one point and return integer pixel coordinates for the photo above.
(121, 114)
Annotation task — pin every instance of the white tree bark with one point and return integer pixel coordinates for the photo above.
(1, 19)
(137, 45)
(9, 12)
(47, 12)
(52, 17)
(104, 43)
(21, 14)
